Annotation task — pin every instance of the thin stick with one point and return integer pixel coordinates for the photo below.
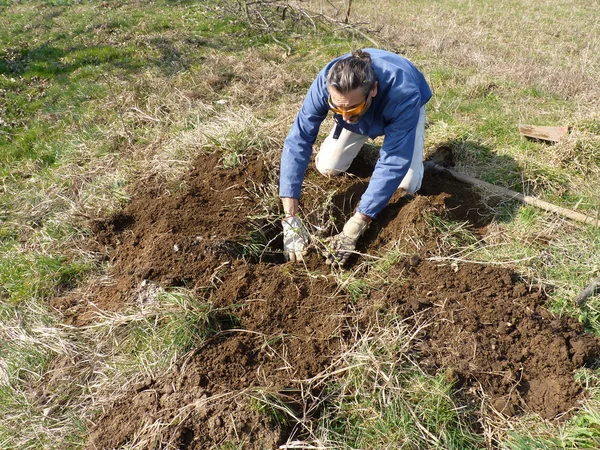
(348, 11)
(352, 28)
(119, 109)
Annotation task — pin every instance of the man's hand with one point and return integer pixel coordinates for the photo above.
(295, 239)
(341, 246)
(290, 206)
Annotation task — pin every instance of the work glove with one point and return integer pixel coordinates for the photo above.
(341, 246)
(295, 239)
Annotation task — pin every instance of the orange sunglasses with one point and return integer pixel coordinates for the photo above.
(351, 112)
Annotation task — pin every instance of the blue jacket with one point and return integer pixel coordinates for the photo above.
(393, 113)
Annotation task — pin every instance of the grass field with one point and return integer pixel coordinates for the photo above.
(97, 98)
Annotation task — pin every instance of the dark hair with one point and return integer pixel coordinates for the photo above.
(352, 73)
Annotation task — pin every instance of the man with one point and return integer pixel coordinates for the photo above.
(371, 93)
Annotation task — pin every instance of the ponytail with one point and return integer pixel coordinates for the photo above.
(362, 55)
(352, 73)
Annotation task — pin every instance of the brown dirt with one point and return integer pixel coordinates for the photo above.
(493, 334)
(288, 330)
(488, 331)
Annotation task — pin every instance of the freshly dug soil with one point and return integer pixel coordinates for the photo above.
(487, 330)
(288, 330)
(491, 333)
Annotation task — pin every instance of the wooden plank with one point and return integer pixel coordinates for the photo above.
(551, 134)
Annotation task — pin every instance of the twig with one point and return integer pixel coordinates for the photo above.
(352, 28)
(348, 11)
(119, 110)
(144, 115)
(268, 28)
(468, 261)
(252, 10)
(309, 18)
(302, 445)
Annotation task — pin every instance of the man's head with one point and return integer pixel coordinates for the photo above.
(352, 85)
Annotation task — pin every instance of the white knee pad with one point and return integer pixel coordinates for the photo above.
(336, 155)
(327, 170)
(412, 180)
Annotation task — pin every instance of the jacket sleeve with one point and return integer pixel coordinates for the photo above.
(298, 145)
(394, 157)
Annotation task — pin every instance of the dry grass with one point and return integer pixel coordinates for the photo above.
(82, 370)
(375, 396)
(549, 45)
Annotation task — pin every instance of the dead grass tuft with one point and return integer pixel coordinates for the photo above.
(579, 152)
(372, 395)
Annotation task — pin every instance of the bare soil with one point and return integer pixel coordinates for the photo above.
(487, 330)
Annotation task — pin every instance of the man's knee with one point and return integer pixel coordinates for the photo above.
(413, 179)
(329, 172)
(325, 169)
(412, 185)
(337, 153)
(327, 161)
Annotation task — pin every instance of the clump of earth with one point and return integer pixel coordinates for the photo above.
(488, 330)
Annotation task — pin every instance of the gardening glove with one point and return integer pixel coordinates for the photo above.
(295, 239)
(341, 246)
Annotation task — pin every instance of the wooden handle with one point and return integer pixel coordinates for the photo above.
(504, 192)
(591, 289)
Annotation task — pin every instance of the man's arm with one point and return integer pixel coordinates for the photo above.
(297, 150)
(290, 206)
(298, 145)
(394, 159)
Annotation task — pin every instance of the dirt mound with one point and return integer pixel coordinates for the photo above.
(288, 330)
(487, 330)
(495, 337)
(172, 238)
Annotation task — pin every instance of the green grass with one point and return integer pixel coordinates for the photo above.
(232, 445)
(424, 419)
(272, 406)
(183, 324)
(382, 400)
(39, 276)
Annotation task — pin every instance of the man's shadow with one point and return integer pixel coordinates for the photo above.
(462, 202)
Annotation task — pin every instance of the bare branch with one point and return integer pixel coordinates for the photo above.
(275, 17)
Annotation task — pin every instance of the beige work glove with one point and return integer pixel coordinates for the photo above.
(295, 239)
(341, 246)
